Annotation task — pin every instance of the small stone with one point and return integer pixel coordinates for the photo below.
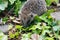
(1, 21)
(56, 15)
(35, 36)
(4, 28)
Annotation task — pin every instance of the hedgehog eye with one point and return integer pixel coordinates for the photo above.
(31, 15)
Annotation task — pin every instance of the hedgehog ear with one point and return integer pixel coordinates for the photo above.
(27, 0)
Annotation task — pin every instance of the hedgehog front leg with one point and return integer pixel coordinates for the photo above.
(27, 19)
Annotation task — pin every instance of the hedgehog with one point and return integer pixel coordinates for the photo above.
(30, 9)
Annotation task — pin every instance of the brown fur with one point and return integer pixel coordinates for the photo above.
(30, 9)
